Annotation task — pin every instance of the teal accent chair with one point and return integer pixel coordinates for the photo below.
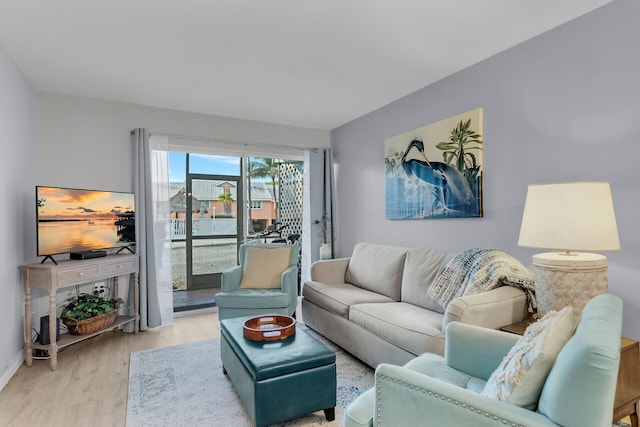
(235, 301)
(432, 390)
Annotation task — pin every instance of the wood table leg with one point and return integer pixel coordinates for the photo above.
(136, 303)
(53, 331)
(27, 326)
(634, 416)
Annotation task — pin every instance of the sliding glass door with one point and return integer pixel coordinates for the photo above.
(210, 216)
(207, 225)
(214, 230)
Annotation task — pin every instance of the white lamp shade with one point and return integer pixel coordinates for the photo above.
(572, 216)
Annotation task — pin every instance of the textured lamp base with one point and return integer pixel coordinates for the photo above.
(568, 280)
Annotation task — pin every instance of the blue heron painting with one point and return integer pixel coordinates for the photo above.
(419, 186)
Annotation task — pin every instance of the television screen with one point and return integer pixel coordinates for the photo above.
(74, 220)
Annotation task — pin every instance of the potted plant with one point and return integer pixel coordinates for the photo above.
(86, 313)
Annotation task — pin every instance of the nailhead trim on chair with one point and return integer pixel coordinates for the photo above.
(437, 396)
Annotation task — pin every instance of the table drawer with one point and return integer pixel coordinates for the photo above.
(118, 268)
(78, 275)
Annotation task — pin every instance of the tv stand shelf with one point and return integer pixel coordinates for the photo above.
(68, 339)
(68, 273)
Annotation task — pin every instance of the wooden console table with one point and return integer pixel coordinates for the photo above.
(627, 399)
(52, 278)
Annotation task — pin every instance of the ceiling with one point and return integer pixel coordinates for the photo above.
(310, 63)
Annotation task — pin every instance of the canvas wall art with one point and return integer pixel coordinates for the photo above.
(436, 171)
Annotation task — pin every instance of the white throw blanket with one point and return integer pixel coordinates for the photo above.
(477, 270)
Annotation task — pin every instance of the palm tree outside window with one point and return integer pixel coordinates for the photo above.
(227, 200)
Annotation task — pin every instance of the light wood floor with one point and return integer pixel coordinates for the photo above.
(89, 388)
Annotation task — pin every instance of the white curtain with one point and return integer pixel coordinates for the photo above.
(153, 239)
(317, 217)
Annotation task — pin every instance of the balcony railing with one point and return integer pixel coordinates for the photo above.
(203, 227)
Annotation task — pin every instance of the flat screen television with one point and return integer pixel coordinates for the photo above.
(72, 220)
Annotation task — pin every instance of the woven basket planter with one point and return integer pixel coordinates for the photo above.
(90, 325)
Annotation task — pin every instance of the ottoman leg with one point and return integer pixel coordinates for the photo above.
(330, 414)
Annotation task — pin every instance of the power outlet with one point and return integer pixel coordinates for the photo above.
(100, 290)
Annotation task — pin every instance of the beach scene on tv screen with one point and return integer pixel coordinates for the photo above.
(72, 220)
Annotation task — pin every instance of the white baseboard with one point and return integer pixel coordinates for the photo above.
(10, 371)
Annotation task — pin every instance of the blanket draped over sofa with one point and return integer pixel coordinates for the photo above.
(477, 270)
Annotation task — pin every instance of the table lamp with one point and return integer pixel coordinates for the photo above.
(569, 218)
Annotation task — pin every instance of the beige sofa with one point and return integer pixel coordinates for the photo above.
(377, 306)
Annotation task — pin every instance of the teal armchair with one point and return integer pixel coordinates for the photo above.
(432, 390)
(265, 281)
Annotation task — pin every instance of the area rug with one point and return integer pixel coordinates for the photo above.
(184, 385)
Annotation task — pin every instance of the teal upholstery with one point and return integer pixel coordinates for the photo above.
(234, 301)
(279, 380)
(432, 390)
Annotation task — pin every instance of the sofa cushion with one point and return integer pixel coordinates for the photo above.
(407, 326)
(420, 268)
(522, 373)
(338, 297)
(263, 266)
(377, 268)
(434, 366)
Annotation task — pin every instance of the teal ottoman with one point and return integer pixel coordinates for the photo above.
(279, 380)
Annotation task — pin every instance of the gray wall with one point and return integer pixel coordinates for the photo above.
(85, 142)
(18, 173)
(562, 106)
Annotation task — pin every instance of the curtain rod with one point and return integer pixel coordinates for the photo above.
(244, 142)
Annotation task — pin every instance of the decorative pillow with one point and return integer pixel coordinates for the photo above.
(521, 375)
(263, 266)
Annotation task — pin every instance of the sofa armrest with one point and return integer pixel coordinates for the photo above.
(475, 350)
(231, 279)
(330, 270)
(406, 398)
(491, 309)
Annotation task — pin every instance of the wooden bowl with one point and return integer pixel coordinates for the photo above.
(269, 327)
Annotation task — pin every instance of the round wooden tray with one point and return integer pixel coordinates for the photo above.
(270, 327)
